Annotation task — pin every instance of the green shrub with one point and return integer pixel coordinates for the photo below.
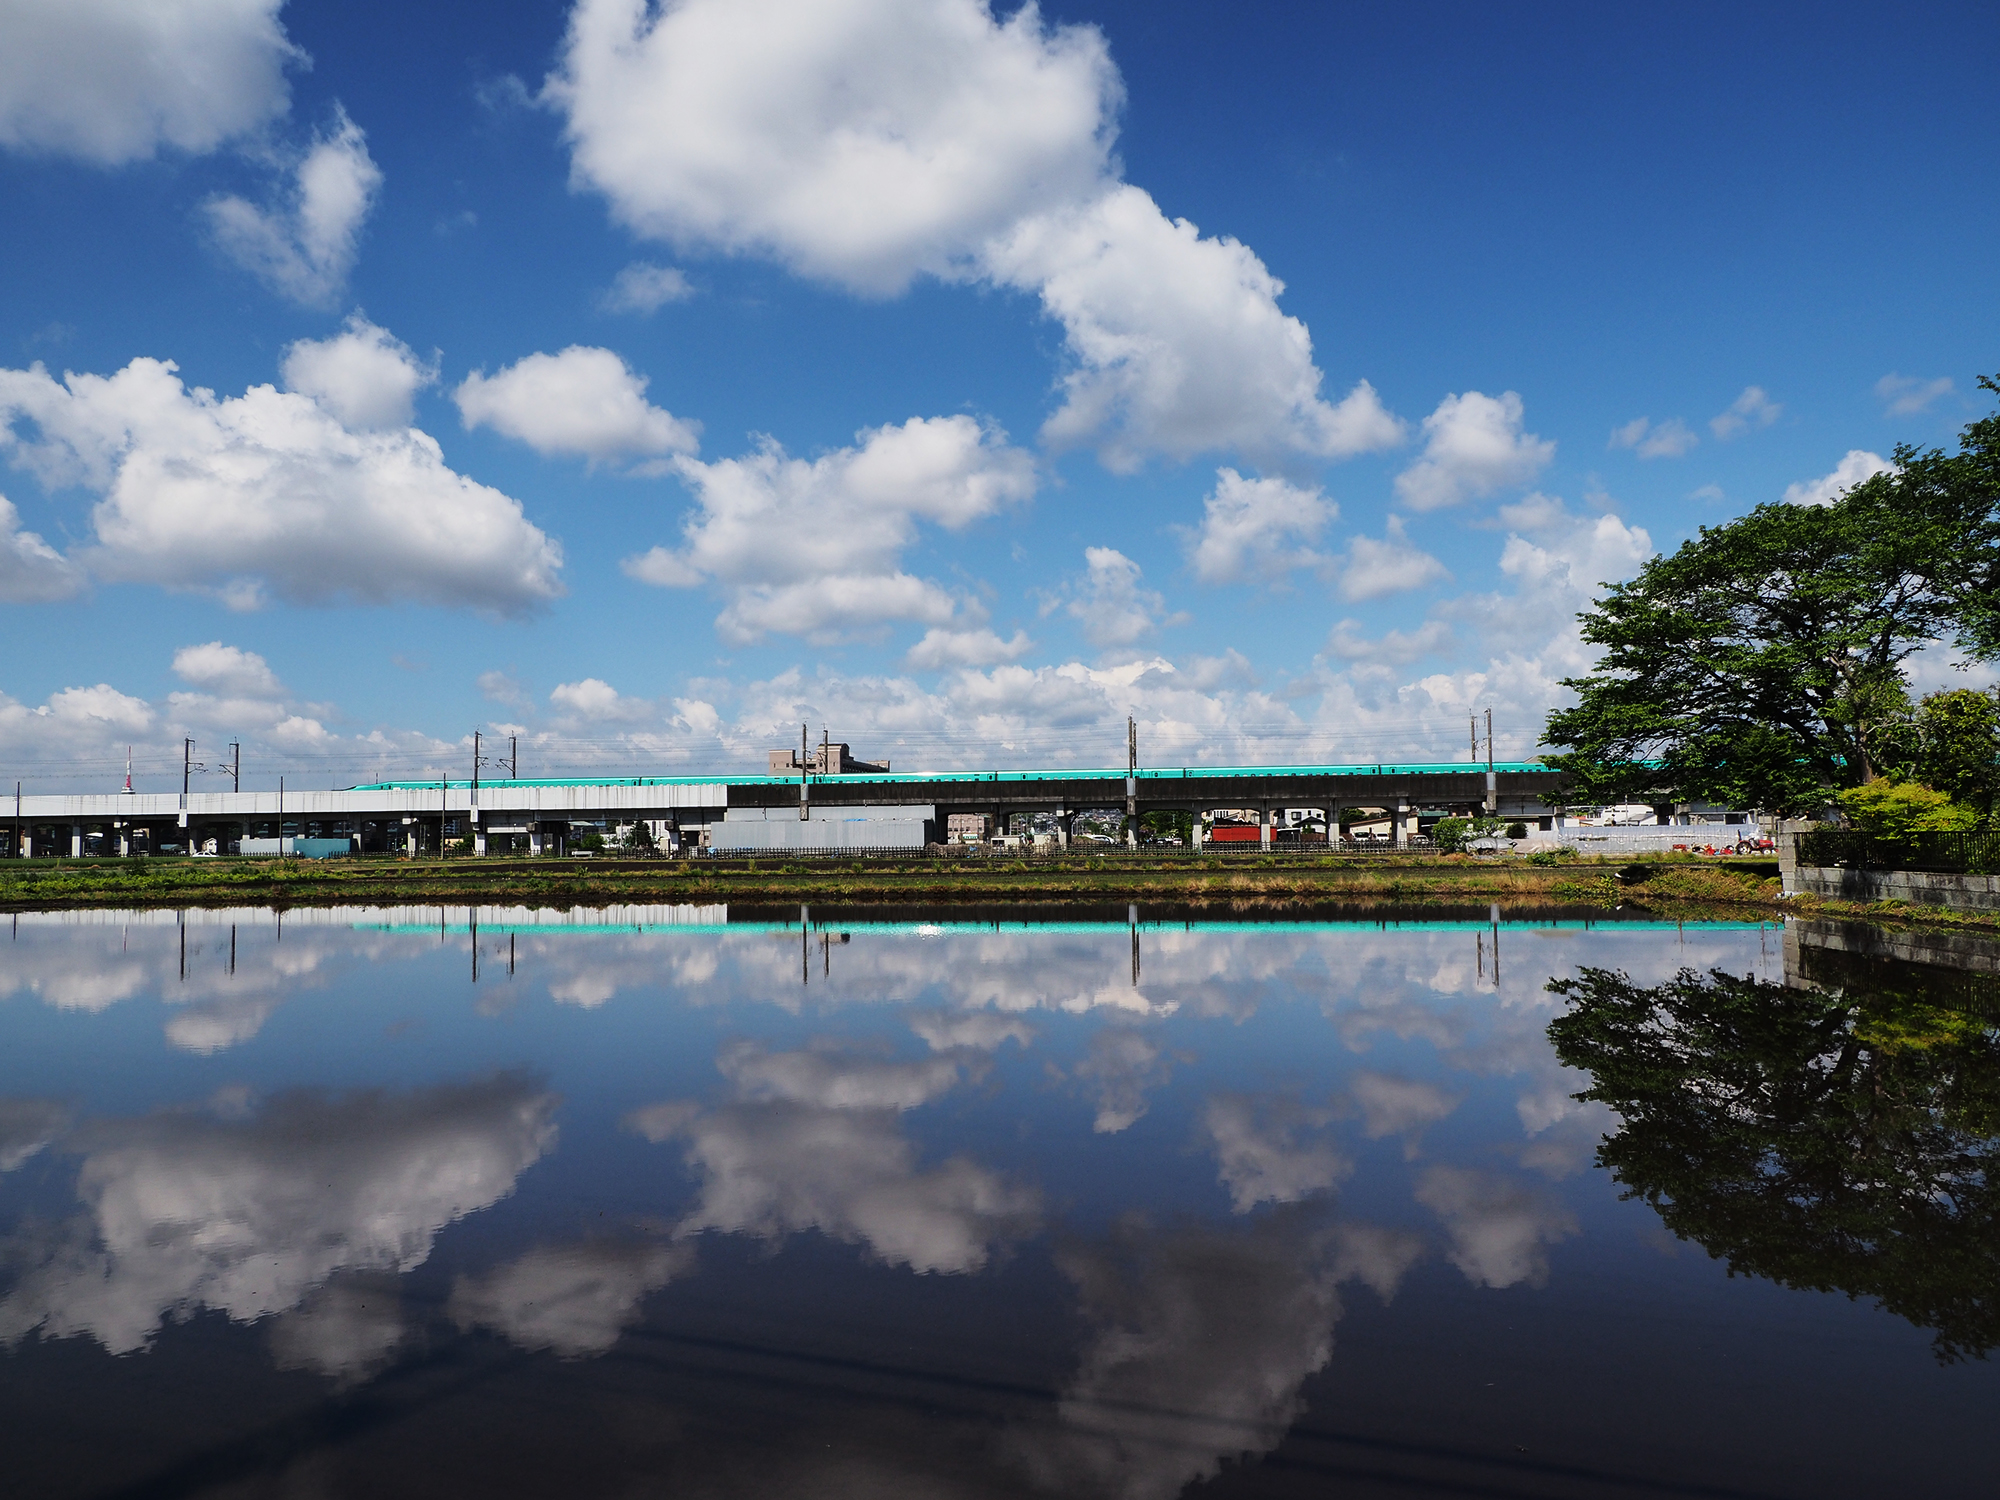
(1517, 830)
(1895, 809)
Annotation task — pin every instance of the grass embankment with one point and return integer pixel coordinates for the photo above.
(1669, 886)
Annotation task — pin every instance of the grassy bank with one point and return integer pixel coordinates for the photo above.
(1672, 887)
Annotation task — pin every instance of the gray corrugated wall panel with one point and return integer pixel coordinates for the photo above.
(777, 835)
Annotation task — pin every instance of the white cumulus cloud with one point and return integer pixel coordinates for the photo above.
(643, 287)
(1500, 1227)
(1857, 465)
(1109, 602)
(1752, 409)
(303, 246)
(227, 669)
(574, 1300)
(981, 647)
(583, 401)
(1256, 530)
(1669, 439)
(1176, 341)
(364, 376)
(1473, 445)
(248, 1217)
(31, 571)
(113, 81)
(1906, 395)
(855, 141)
(869, 142)
(1372, 569)
(1394, 647)
(269, 493)
(814, 547)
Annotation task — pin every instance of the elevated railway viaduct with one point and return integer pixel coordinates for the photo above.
(544, 816)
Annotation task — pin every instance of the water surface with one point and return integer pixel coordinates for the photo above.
(697, 1202)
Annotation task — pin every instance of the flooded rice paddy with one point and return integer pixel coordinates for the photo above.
(690, 1201)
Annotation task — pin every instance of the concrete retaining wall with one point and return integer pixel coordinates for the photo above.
(1918, 887)
(1961, 952)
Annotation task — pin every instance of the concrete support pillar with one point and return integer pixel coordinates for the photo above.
(478, 838)
(76, 841)
(1264, 828)
(27, 849)
(535, 840)
(124, 840)
(1402, 823)
(410, 839)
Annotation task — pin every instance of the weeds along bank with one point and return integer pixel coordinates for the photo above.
(36, 885)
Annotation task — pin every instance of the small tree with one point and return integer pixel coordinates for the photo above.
(1452, 835)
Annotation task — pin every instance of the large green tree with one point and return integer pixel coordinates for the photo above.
(1839, 1138)
(1760, 665)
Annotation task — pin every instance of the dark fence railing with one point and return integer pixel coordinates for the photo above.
(1955, 853)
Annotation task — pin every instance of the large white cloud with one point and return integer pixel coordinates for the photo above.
(1177, 342)
(269, 493)
(814, 547)
(583, 401)
(867, 142)
(858, 141)
(1257, 530)
(113, 81)
(303, 245)
(184, 1211)
(1473, 445)
(364, 376)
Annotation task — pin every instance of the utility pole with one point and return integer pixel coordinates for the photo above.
(236, 767)
(1492, 789)
(804, 762)
(187, 759)
(475, 768)
(1474, 720)
(1131, 782)
(17, 819)
(825, 751)
(513, 757)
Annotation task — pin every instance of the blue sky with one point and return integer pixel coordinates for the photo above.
(929, 420)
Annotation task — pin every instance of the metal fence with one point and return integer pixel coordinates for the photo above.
(1955, 853)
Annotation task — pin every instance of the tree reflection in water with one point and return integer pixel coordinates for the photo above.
(1834, 1138)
